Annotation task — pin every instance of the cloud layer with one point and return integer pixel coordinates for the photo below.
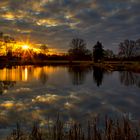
(56, 22)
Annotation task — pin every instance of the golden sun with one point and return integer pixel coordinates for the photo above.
(25, 47)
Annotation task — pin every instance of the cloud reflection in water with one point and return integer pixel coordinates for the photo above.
(49, 90)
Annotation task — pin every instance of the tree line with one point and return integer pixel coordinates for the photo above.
(128, 50)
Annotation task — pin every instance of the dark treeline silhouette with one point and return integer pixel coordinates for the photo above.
(128, 50)
(56, 57)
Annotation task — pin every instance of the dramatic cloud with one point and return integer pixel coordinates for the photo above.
(56, 22)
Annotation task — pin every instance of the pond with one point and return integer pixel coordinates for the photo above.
(32, 94)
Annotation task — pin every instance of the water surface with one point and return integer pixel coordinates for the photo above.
(31, 93)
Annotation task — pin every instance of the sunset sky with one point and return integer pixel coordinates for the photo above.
(56, 22)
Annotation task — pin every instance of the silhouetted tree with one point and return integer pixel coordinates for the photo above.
(138, 47)
(8, 43)
(1, 39)
(41, 56)
(9, 54)
(138, 42)
(127, 48)
(98, 52)
(78, 50)
(98, 74)
(44, 48)
(1, 34)
(108, 53)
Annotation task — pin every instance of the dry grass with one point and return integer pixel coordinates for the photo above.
(112, 130)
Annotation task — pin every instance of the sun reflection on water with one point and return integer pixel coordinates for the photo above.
(25, 73)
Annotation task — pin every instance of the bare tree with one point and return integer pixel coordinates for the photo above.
(1, 39)
(138, 47)
(78, 50)
(44, 48)
(108, 53)
(9, 43)
(1, 34)
(127, 48)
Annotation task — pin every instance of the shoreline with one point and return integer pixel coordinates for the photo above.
(107, 65)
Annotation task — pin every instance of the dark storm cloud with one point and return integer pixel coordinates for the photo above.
(56, 22)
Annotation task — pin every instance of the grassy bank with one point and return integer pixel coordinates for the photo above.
(120, 65)
(111, 130)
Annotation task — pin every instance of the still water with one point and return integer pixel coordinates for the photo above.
(31, 93)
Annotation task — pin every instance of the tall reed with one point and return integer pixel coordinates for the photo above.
(111, 130)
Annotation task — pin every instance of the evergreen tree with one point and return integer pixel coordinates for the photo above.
(98, 52)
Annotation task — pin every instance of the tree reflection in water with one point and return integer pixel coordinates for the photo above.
(129, 78)
(43, 76)
(98, 75)
(5, 85)
(78, 74)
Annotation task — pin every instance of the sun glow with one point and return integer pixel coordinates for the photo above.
(25, 47)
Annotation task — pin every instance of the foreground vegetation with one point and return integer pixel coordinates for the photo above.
(111, 130)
